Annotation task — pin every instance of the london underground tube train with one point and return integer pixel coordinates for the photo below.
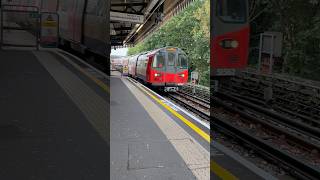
(230, 36)
(82, 25)
(164, 68)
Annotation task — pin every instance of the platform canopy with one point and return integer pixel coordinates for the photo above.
(132, 20)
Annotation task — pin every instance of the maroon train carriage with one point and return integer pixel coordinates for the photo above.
(165, 68)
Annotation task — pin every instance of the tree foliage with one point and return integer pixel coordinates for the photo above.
(189, 30)
(299, 21)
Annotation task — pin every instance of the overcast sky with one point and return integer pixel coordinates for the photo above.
(119, 52)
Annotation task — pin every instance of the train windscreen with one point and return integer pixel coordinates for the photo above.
(171, 58)
(232, 11)
(159, 60)
(182, 61)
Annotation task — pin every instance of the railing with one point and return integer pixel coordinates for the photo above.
(202, 92)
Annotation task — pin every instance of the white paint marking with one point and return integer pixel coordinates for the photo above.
(60, 52)
(168, 104)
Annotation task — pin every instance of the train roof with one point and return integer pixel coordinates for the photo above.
(152, 51)
(156, 50)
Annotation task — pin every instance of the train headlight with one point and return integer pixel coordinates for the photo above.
(229, 44)
(234, 44)
(181, 75)
(157, 74)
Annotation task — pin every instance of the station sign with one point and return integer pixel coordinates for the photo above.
(125, 17)
(272, 43)
(270, 49)
(194, 77)
(49, 29)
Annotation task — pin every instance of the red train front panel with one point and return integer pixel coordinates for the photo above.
(168, 67)
(230, 30)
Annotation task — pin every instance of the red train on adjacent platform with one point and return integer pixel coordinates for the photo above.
(230, 37)
(82, 24)
(165, 68)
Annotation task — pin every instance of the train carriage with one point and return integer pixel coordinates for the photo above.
(165, 68)
(132, 65)
(83, 25)
(230, 36)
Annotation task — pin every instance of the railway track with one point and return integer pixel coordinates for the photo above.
(274, 143)
(271, 139)
(192, 103)
(293, 97)
(292, 144)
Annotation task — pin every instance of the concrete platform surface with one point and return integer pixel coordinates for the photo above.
(140, 147)
(45, 132)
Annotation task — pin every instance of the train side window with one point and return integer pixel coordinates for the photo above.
(159, 60)
(171, 58)
(232, 11)
(182, 61)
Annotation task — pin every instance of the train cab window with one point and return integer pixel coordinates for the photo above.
(159, 60)
(182, 61)
(232, 11)
(171, 58)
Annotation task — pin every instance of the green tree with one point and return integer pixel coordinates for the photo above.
(299, 21)
(189, 30)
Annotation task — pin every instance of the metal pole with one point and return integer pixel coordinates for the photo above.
(271, 54)
(260, 53)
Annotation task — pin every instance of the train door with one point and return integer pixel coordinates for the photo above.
(171, 70)
(181, 68)
(158, 68)
(78, 20)
(230, 36)
(135, 65)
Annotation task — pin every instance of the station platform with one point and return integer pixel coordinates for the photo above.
(147, 142)
(147, 134)
(226, 164)
(52, 119)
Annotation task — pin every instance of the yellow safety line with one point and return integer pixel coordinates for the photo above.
(221, 172)
(97, 81)
(218, 170)
(187, 122)
(94, 79)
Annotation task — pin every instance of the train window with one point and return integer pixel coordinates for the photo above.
(233, 11)
(171, 58)
(159, 60)
(182, 61)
